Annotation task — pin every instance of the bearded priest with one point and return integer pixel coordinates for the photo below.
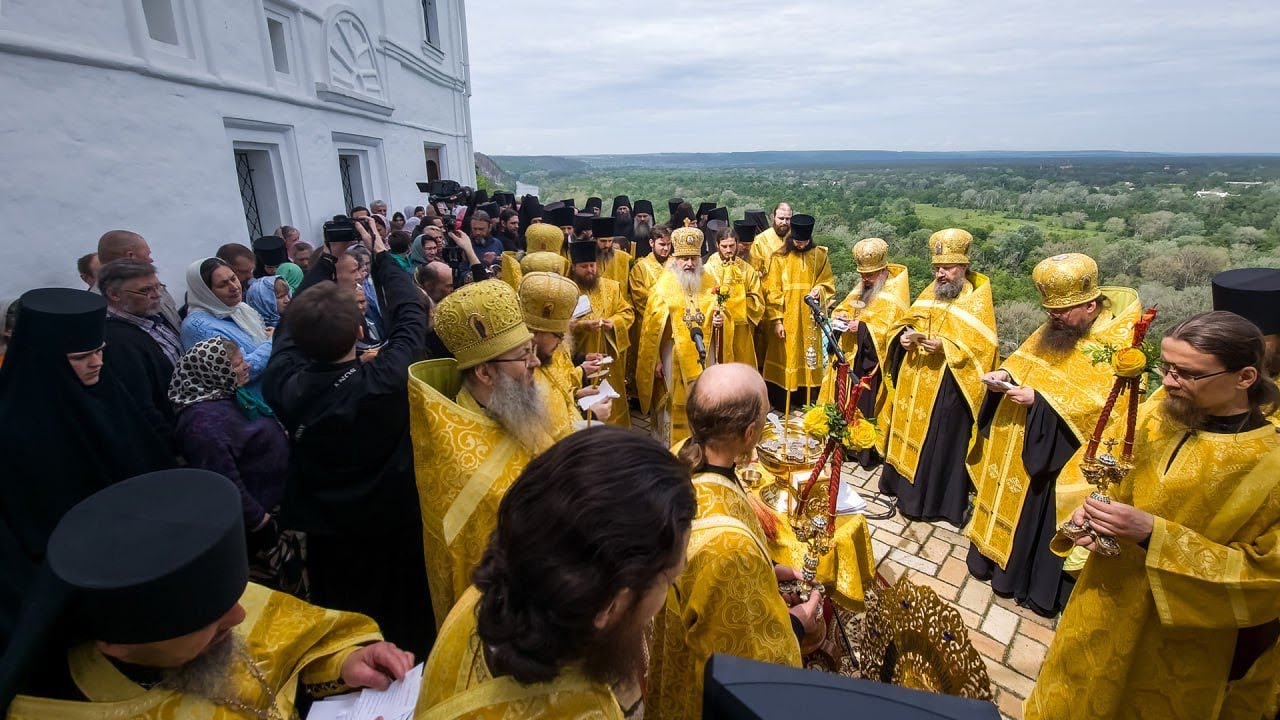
(942, 348)
(606, 327)
(793, 361)
(740, 284)
(680, 307)
(1029, 428)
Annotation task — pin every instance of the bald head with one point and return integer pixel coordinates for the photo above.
(121, 244)
(436, 280)
(727, 405)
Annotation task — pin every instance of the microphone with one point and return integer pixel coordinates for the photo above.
(696, 332)
(820, 319)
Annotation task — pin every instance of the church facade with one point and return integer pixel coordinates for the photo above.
(200, 123)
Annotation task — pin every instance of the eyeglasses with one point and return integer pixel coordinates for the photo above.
(149, 291)
(525, 357)
(1178, 375)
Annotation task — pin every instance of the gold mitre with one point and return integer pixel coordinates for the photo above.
(543, 237)
(548, 301)
(1066, 280)
(687, 242)
(544, 262)
(950, 247)
(870, 254)
(480, 321)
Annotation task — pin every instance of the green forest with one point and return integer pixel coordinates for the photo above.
(1164, 226)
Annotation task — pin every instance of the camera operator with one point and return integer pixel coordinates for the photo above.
(350, 484)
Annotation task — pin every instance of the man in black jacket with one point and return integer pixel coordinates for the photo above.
(351, 478)
(142, 347)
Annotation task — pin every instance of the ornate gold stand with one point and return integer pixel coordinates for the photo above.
(1102, 472)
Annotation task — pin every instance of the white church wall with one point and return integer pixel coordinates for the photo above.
(108, 128)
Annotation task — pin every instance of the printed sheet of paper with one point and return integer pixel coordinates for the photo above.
(395, 703)
(606, 392)
(583, 307)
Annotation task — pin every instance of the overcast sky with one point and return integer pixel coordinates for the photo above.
(572, 77)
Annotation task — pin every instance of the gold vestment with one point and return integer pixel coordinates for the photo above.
(881, 318)
(664, 315)
(766, 245)
(745, 307)
(1151, 633)
(617, 269)
(967, 327)
(291, 643)
(464, 462)
(456, 682)
(725, 601)
(1074, 387)
(791, 276)
(607, 302)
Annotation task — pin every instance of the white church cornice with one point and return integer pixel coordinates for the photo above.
(411, 62)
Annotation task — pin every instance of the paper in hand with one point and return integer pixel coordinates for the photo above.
(606, 392)
(583, 307)
(397, 702)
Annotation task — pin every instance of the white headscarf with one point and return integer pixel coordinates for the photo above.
(201, 297)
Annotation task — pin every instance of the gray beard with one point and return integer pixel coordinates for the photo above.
(641, 230)
(605, 256)
(869, 293)
(518, 405)
(690, 281)
(209, 675)
(946, 290)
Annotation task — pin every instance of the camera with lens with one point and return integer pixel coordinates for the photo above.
(451, 253)
(341, 229)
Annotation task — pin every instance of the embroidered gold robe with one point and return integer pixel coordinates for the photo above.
(745, 306)
(967, 326)
(1151, 633)
(644, 273)
(291, 642)
(607, 302)
(766, 245)
(464, 462)
(789, 279)
(725, 601)
(456, 682)
(881, 316)
(665, 338)
(1074, 387)
(617, 269)
(560, 381)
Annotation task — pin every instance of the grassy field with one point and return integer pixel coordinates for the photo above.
(939, 217)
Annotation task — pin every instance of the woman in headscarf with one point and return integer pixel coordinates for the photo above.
(223, 428)
(216, 308)
(292, 274)
(269, 295)
(68, 429)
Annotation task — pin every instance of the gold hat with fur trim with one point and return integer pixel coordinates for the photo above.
(544, 237)
(687, 242)
(544, 262)
(548, 301)
(950, 247)
(871, 254)
(1066, 280)
(480, 321)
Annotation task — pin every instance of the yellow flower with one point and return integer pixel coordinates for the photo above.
(1129, 362)
(815, 421)
(860, 436)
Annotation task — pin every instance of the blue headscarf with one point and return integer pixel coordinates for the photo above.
(262, 297)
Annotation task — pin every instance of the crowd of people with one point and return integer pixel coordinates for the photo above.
(408, 439)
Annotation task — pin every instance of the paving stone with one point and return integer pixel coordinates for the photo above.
(1007, 679)
(1000, 623)
(989, 647)
(944, 591)
(1037, 632)
(945, 532)
(908, 547)
(972, 620)
(935, 550)
(1010, 705)
(960, 551)
(891, 570)
(914, 562)
(953, 571)
(879, 550)
(917, 531)
(975, 596)
(1026, 656)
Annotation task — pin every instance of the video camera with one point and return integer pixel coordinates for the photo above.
(441, 189)
(340, 229)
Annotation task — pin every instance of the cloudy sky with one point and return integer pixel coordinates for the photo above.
(572, 77)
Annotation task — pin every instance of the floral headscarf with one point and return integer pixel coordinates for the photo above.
(205, 373)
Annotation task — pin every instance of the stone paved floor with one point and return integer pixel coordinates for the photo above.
(1012, 640)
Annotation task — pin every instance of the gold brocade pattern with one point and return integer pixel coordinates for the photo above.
(967, 327)
(617, 269)
(607, 302)
(881, 317)
(745, 306)
(560, 381)
(1074, 387)
(726, 601)
(766, 245)
(789, 279)
(664, 318)
(464, 462)
(290, 642)
(456, 682)
(1151, 633)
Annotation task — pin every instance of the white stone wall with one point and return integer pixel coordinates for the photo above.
(104, 127)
